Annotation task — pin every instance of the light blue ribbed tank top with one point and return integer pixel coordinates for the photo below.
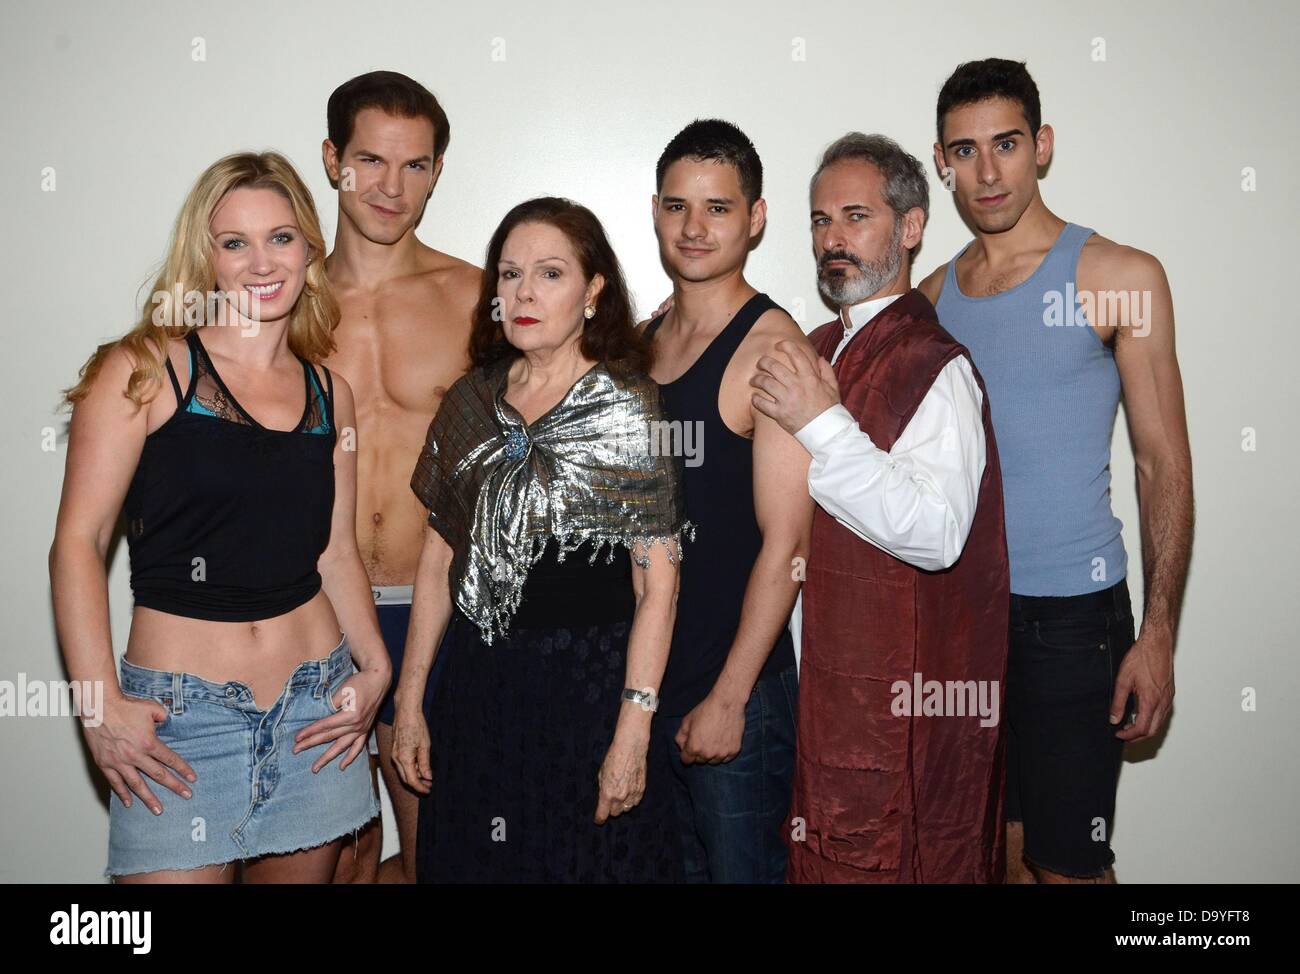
(1053, 393)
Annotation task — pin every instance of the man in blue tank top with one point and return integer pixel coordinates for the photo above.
(1060, 322)
(728, 697)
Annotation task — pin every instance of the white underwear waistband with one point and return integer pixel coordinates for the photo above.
(392, 594)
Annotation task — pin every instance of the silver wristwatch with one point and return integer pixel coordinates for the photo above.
(643, 698)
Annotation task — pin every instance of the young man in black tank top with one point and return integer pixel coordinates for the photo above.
(728, 697)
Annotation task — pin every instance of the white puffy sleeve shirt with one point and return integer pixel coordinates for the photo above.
(915, 501)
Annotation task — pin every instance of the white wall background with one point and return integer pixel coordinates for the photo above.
(1151, 144)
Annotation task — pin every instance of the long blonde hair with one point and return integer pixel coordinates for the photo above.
(189, 268)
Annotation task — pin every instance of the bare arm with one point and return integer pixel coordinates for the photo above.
(783, 509)
(430, 612)
(655, 588)
(343, 576)
(1153, 395)
(622, 774)
(344, 581)
(104, 446)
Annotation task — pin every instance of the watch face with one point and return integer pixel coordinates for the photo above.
(643, 698)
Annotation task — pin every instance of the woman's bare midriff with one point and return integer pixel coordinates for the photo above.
(262, 655)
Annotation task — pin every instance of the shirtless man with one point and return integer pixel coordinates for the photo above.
(727, 702)
(1060, 322)
(402, 341)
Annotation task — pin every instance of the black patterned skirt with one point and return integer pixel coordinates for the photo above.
(519, 730)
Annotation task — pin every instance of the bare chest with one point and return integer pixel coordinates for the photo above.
(400, 351)
(979, 280)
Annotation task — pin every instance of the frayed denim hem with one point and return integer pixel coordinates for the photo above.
(354, 830)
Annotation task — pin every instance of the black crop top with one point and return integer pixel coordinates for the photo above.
(226, 519)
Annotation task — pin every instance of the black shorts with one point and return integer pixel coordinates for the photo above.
(1063, 757)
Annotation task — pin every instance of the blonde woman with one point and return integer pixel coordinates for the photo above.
(234, 733)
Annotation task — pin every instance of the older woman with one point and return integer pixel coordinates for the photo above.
(536, 469)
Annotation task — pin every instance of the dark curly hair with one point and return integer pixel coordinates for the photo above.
(611, 336)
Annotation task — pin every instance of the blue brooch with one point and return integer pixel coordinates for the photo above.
(516, 444)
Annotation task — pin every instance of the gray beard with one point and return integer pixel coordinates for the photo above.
(843, 290)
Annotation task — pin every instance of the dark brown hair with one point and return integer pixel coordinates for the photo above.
(390, 92)
(993, 77)
(715, 140)
(611, 336)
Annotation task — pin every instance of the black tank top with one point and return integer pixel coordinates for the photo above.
(719, 495)
(226, 519)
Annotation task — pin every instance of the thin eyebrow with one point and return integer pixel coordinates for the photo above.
(540, 260)
(240, 233)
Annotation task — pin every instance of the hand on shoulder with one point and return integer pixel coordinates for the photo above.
(773, 327)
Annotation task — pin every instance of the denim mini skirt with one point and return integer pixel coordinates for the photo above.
(252, 795)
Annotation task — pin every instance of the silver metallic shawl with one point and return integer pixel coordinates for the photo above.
(497, 489)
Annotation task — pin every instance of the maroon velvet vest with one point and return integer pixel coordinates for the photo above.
(883, 793)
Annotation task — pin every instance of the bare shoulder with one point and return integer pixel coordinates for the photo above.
(772, 327)
(451, 272)
(932, 284)
(106, 404)
(121, 361)
(1105, 265)
(775, 333)
(343, 396)
(114, 373)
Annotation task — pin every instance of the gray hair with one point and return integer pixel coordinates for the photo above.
(905, 182)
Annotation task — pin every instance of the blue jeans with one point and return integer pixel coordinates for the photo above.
(730, 816)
